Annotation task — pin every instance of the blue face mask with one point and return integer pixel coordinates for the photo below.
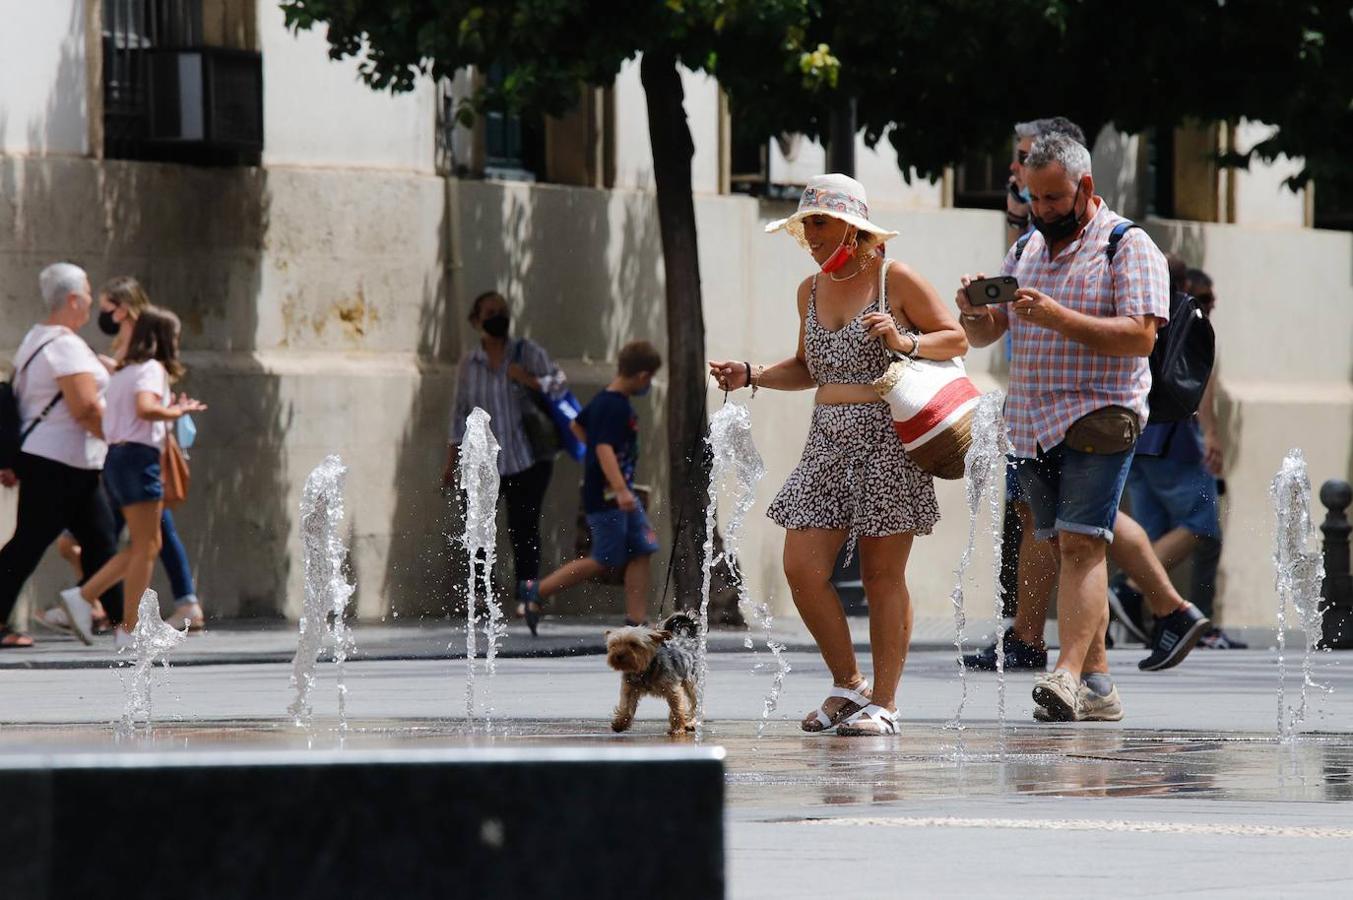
(1024, 195)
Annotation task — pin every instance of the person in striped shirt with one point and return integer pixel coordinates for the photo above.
(497, 377)
(1082, 327)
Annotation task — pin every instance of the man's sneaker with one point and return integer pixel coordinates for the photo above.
(1125, 607)
(80, 614)
(1216, 639)
(1058, 692)
(1018, 656)
(1173, 637)
(528, 592)
(1093, 707)
(1097, 708)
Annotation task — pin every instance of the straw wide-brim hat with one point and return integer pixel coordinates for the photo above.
(838, 196)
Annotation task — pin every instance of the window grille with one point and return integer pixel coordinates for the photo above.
(169, 97)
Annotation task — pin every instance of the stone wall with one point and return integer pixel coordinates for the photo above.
(324, 312)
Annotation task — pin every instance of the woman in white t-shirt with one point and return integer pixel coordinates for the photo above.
(121, 301)
(139, 406)
(60, 385)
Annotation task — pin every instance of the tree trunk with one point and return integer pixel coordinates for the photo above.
(688, 470)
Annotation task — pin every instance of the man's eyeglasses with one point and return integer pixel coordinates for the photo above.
(1022, 156)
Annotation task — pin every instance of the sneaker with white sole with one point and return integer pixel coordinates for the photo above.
(122, 639)
(1093, 707)
(1058, 692)
(55, 619)
(80, 613)
(1099, 708)
(1173, 637)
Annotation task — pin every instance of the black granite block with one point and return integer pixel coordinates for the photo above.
(392, 824)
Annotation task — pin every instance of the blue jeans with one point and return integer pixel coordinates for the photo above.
(1069, 490)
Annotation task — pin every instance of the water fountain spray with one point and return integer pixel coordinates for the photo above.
(1299, 574)
(736, 464)
(479, 481)
(984, 476)
(152, 639)
(326, 588)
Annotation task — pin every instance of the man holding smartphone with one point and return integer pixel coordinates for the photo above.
(1081, 327)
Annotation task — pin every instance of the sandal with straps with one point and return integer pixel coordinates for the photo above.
(825, 722)
(872, 721)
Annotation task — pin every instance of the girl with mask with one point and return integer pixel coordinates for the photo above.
(854, 486)
(499, 377)
(121, 302)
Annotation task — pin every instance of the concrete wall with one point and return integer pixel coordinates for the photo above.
(43, 83)
(315, 322)
(1290, 393)
(634, 157)
(317, 112)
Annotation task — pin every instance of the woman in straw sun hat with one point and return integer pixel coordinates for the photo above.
(854, 484)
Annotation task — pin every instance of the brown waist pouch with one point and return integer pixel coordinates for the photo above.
(1112, 429)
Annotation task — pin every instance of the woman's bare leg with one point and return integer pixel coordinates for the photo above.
(810, 557)
(143, 524)
(883, 569)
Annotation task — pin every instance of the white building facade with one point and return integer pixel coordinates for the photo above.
(321, 242)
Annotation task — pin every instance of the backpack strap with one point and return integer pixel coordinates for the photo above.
(1023, 242)
(1116, 235)
(23, 435)
(24, 368)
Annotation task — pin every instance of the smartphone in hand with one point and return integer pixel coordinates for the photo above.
(1000, 289)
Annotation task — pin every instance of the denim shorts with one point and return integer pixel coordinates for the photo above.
(619, 536)
(1167, 494)
(1068, 490)
(1013, 492)
(131, 474)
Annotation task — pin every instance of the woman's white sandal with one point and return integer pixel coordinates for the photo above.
(858, 701)
(872, 721)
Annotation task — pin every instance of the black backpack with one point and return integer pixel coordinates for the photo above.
(12, 432)
(1186, 347)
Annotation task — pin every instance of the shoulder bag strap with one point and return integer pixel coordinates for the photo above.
(24, 368)
(23, 435)
(883, 305)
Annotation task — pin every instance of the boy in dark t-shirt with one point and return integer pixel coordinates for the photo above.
(621, 534)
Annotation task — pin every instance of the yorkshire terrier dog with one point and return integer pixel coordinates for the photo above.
(659, 662)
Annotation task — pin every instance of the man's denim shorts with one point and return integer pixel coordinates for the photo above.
(1013, 493)
(619, 536)
(131, 474)
(1068, 490)
(1167, 494)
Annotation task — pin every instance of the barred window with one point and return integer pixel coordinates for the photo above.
(169, 96)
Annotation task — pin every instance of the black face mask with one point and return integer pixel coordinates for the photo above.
(1062, 227)
(496, 326)
(107, 324)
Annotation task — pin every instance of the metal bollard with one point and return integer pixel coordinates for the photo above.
(1337, 630)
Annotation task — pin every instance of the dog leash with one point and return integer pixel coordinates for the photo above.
(681, 519)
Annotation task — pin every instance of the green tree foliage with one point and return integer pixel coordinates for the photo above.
(945, 79)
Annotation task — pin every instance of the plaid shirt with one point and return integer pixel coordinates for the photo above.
(499, 396)
(1055, 380)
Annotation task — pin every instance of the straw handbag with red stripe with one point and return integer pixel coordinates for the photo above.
(932, 402)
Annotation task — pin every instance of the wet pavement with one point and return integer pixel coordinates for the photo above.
(1192, 794)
